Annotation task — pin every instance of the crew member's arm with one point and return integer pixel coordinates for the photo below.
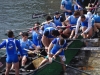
(77, 25)
(76, 4)
(62, 7)
(19, 47)
(89, 25)
(3, 44)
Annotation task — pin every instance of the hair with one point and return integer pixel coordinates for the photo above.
(76, 13)
(55, 33)
(46, 33)
(48, 18)
(61, 41)
(10, 34)
(83, 16)
(37, 23)
(25, 34)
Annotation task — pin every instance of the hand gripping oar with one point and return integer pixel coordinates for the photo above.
(61, 63)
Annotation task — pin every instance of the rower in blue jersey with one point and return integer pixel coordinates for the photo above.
(49, 34)
(25, 44)
(86, 24)
(79, 8)
(66, 5)
(58, 20)
(56, 48)
(48, 23)
(71, 21)
(11, 44)
(36, 37)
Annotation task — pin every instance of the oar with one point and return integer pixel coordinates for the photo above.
(61, 63)
(72, 67)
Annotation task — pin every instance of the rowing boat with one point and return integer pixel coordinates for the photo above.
(47, 69)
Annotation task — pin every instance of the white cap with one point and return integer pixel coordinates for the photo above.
(89, 14)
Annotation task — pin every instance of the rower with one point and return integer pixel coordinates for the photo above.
(58, 20)
(66, 6)
(56, 48)
(49, 34)
(36, 37)
(11, 52)
(25, 44)
(48, 23)
(72, 20)
(86, 24)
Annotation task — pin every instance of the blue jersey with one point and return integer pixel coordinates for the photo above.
(57, 21)
(85, 23)
(79, 2)
(56, 46)
(11, 50)
(25, 45)
(72, 20)
(67, 5)
(49, 29)
(51, 24)
(96, 18)
(36, 39)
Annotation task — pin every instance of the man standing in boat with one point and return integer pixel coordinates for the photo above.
(11, 52)
(56, 48)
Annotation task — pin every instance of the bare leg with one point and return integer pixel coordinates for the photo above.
(16, 68)
(66, 32)
(72, 33)
(24, 59)
(8, 66)
(90, 33)
(83, 29)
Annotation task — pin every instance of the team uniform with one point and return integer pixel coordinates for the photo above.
(72, 21)
(25, 45)
(11, 51)
(46, 25)
(96, 18)
(87, 23)
(80, 3)
(56, 47)
(49, 29)
(36, 39)
(67, 5)
(58, 21)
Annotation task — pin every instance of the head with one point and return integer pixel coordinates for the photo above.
(57, 14)
(37, 24)
(83, 18)
(10, 34)
(55, 33)
(76, 14)
(24, 36)
(61, 41)
(48, 18)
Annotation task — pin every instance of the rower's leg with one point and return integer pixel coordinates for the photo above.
(24, 59)
(66, 32)
(90, 33)
(45, 41)
(72, 34)
(63, 59)
(16, 68)
(8, 66)
(83, 29)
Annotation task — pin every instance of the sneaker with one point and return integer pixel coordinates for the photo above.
(23, 69)
(65, 73)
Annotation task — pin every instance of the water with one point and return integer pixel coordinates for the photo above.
(17, 14)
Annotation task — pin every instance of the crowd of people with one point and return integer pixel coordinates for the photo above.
(52, 34)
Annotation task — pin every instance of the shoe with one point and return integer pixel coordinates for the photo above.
(65, 73)
(23, 69)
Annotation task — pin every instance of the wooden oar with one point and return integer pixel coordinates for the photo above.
(72, 67)
(62, 64)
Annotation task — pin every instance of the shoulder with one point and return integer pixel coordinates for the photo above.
(54, 41)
